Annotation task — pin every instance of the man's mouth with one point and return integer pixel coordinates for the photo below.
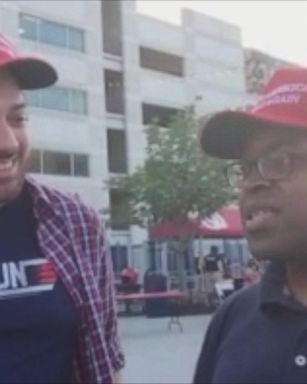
(7, 166)
(261, 218)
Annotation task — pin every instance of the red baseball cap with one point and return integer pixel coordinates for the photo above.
(283, 103)
(29, 72)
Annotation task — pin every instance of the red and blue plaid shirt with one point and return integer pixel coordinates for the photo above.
(71, 236)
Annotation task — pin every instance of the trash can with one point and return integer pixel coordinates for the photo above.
(155, 282)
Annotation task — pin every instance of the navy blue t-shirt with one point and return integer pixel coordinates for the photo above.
(38, 321)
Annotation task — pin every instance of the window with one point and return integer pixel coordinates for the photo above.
(34, 162)
(28, 27)
(117, 152)
(118, 209)
(58, 98)
(76, 39)
(114, 90)
(119, 255)
(156, 113)
(58, 163)
(54, 98)
(49, 32)
(161, 61)
(80, 164)
(172, 260)
(112, 27)
(32, 98)
(52, 33)
(78, 101)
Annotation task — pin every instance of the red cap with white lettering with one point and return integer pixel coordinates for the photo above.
(29, 72)
(283, 103)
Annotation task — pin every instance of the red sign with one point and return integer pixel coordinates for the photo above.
(224, 223)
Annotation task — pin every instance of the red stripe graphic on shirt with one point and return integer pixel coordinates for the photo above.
(46, 273)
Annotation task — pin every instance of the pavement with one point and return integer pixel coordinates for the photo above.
(156, 355)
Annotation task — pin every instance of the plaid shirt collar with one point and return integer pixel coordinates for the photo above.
(41, 200)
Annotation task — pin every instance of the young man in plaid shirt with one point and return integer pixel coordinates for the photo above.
(58, 318)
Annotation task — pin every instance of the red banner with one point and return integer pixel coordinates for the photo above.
(224, 223)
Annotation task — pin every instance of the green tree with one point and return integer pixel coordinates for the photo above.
(175, 181)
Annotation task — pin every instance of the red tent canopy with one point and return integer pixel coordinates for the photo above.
(224, 223)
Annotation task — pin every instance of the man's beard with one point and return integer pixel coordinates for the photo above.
(10, 190)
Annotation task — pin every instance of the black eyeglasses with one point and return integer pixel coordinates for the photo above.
(275, 165)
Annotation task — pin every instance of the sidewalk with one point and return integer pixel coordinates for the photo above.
(156, 355)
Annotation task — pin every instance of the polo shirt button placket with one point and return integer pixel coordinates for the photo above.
(300, 360)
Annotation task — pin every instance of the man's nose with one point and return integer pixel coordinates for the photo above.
(254, 180)
(8, 140)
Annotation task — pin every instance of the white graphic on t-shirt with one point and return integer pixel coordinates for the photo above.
(26, 277)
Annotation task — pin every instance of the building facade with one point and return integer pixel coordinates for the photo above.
(117, 70)
(259, 67)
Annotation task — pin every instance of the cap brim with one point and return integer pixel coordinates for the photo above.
(224, 134)
(32, 73)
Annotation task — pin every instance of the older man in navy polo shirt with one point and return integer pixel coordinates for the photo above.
(259, 335)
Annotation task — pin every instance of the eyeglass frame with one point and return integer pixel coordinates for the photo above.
(289, 156)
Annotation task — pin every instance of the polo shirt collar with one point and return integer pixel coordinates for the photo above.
(272, 289)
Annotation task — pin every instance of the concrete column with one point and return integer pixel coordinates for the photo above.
(136, 141)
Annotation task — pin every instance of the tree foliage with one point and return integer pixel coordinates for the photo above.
(176, 179)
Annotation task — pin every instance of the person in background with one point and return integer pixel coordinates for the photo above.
(58, 318)
(129, 275)
(237, 274)
(213, 269)
(259, 335)
(251, 272)
(213, 263)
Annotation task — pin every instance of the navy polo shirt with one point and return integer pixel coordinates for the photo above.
(259, 335)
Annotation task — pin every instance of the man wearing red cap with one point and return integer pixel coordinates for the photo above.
(58, 318)
(259, 335)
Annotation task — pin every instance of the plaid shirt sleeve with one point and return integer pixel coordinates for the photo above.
(106, 283)
(86, 269)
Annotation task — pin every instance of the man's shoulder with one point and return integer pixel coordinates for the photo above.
(238, 304)
(243, 297)
(227, 318)
(61, 203)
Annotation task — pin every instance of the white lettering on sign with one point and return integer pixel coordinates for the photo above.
(216, 222)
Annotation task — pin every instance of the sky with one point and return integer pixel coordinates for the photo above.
(278, 28)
